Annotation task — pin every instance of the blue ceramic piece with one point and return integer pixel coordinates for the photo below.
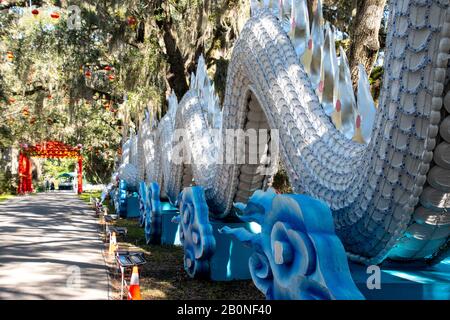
(153, 215)
(156, 217)
(297, 254)
(126, 200)
(229, 261)
(196, 233)
(122, 198)
(132, 205)
(170, 232)
(142, 203)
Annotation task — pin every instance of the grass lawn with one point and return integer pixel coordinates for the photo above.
(163, 277)
(86, 196)
(5, 196)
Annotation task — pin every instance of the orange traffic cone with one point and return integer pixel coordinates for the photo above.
(134, 291)
(112, 243)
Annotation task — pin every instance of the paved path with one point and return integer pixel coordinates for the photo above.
(50, 249)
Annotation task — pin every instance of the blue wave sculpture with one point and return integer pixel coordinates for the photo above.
(122, 198)
(196, 233)
(297, 254)
(153, 215)
(142, 191)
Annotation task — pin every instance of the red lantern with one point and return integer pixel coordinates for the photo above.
(54, 15)
(35, 12)
(49, 97)
(25, 112)
(88, 74)
(111, 77)
(131, 21)
(108, 68)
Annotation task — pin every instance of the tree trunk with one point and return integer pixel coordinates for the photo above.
(176, 77)
(364, 44)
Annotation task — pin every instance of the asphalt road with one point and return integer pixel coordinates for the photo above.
(50, 249)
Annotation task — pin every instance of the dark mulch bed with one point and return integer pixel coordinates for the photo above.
(163, 277)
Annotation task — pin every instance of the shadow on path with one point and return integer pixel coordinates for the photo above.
(50, 249)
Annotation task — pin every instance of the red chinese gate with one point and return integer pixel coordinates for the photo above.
(47, 149)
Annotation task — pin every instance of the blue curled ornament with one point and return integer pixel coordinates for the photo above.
(297, 254)
(152, 228)
(196, 233)
(142, 198)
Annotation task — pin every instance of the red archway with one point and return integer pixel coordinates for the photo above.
(47, 149)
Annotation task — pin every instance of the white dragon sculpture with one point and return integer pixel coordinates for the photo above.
(384, 171)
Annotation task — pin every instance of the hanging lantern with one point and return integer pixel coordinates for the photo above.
(25, 112)
(54, 15)
(88, 74)
(49, 97)
(108, 68)
(111, 77)
(10, 55)
(35, 12)
(132, 22)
